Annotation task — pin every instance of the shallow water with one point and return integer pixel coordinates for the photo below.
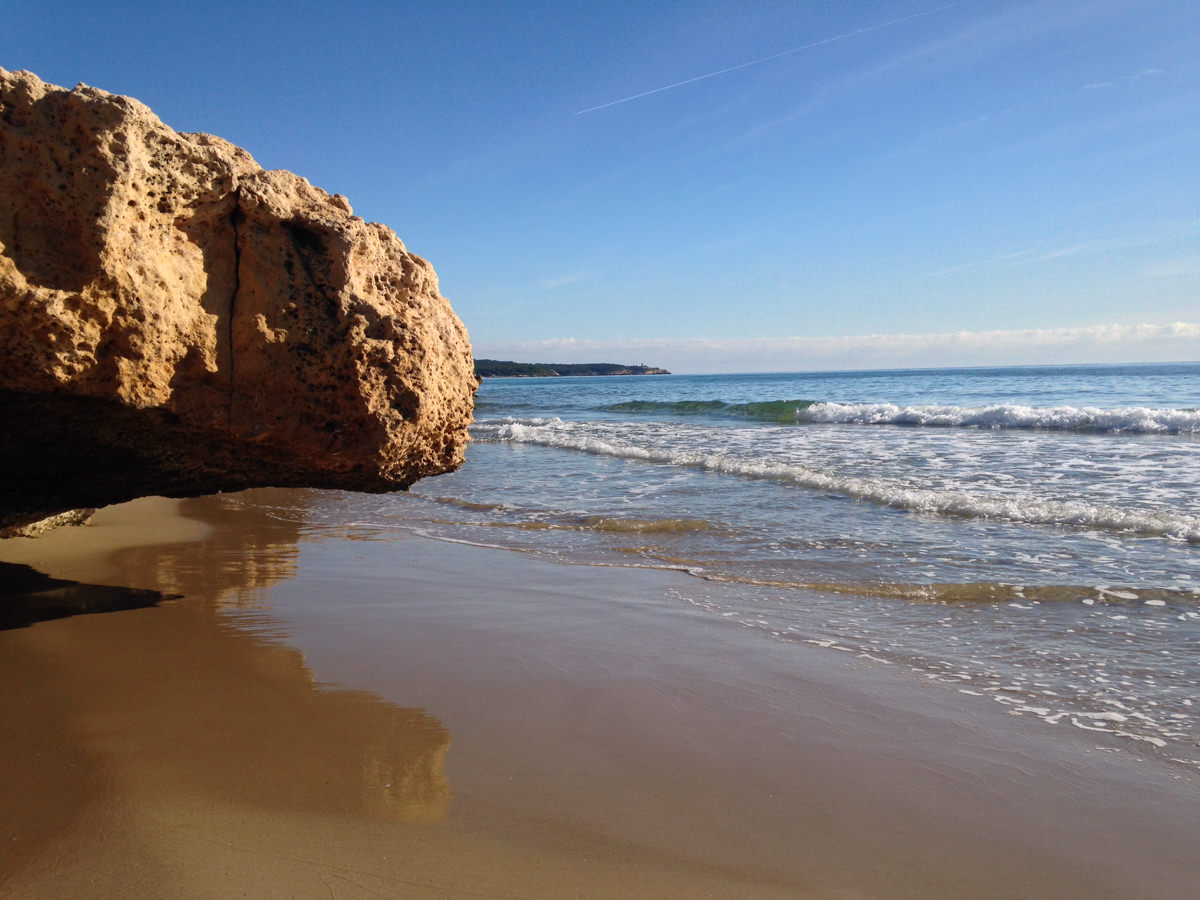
(1028, 536)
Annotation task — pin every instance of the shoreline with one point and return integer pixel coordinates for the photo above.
(335, 706)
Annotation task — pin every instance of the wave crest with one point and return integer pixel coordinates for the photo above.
(1022, 509)
(1117, 420)
(1127, 419)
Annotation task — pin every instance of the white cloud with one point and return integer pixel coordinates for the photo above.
(550, 284)
(755, 62)
(1178, 267)
(1177, 341)
(1167, 233)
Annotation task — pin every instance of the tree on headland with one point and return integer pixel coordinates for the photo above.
(496, 368)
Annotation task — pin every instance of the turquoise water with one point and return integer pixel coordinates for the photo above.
(1029, 536)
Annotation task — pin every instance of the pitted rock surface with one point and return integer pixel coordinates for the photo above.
(176, 320)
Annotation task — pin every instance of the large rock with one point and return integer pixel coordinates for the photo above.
(175, 320)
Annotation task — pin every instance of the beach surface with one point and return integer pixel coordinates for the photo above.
(346, 711)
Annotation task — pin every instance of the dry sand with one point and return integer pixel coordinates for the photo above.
(343, 713)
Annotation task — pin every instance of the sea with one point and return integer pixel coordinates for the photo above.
(1025, 536)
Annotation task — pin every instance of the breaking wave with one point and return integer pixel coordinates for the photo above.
(1022, 509)
(1128, 419)
(1118, 420)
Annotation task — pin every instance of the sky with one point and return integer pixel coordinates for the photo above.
(718, 186)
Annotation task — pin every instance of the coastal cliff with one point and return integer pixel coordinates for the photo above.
(176, 320)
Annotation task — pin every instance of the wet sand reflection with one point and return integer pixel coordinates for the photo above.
(179, 701)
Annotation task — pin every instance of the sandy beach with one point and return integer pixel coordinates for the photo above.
(321, 711)
(717, 450)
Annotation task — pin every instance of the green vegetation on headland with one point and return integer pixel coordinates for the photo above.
(496, 368)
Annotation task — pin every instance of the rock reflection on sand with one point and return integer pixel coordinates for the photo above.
(319, 749)
(247, 550)
(202, 706)
(178, 704)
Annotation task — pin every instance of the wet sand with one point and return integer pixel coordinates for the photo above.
(351, 713)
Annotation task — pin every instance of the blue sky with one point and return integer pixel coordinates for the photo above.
(827, 185)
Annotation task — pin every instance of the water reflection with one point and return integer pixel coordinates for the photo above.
(182, 702)
(247, 549)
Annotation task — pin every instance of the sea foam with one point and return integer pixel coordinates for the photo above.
(1128, 420)
(1116, 420)
(1017, 508)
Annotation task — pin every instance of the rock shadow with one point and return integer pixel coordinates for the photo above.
(27, 596)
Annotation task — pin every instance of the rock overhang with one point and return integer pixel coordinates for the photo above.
(176, 320)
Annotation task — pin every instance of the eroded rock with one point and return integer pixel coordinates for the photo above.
(176, 320)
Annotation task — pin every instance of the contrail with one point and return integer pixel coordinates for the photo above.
(755, 62)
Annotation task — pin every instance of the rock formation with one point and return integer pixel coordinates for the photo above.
(175, 320)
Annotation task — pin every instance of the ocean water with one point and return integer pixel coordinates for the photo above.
(1027, 536)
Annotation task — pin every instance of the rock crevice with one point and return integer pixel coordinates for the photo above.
(176, 320)
(227, 337)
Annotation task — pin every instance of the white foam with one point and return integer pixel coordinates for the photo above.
(1103, 716)
(1157, 742)
(1127, 419)
(1078, 724)
(1013, 508)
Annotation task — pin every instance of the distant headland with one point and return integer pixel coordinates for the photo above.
(499, 368)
